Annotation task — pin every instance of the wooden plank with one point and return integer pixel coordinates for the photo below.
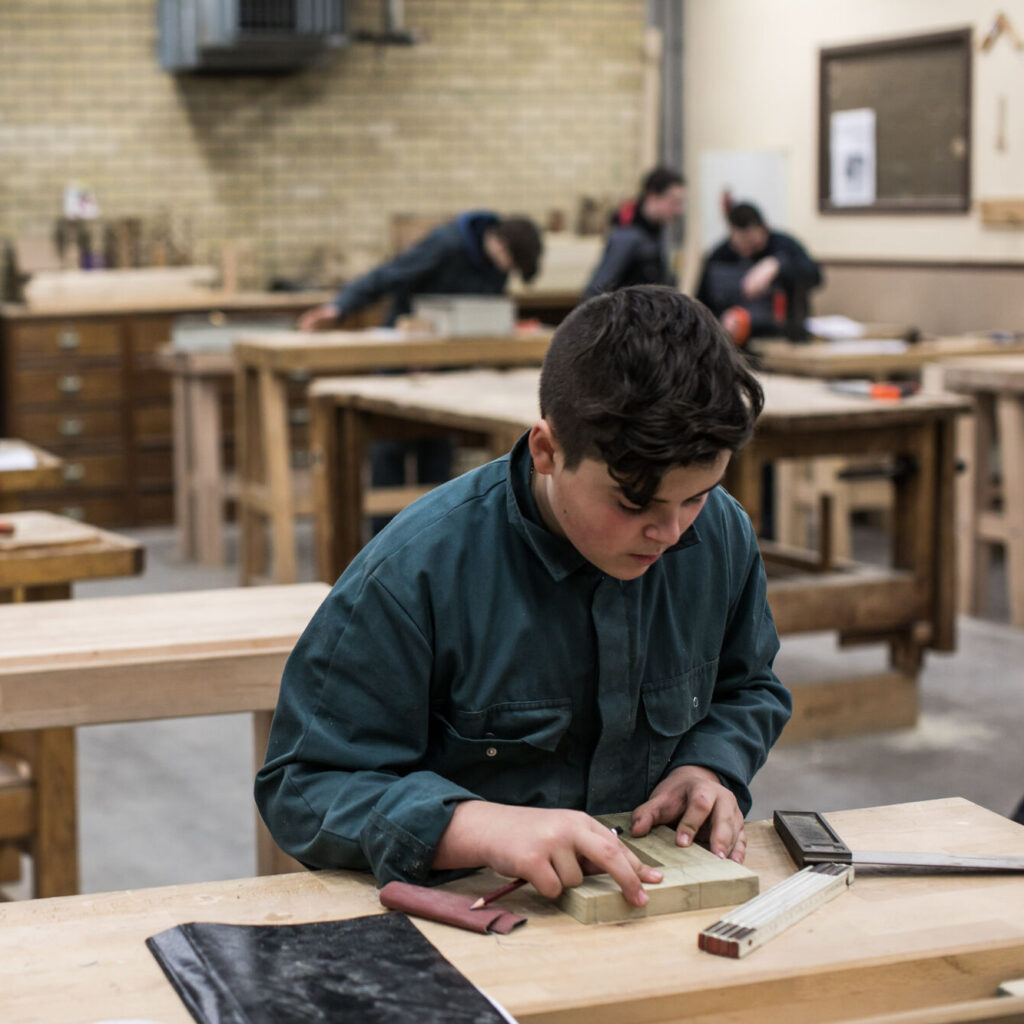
(695, 879)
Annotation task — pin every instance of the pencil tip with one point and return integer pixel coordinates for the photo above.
(477, 904)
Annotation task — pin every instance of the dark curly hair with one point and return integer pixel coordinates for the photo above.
(644, 379)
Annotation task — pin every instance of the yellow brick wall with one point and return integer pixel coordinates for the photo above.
(519, 105)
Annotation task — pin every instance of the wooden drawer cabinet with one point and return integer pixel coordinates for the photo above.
(65, 432)
(64, 339)
(152, 423)
(86, 471)
(86, 385)
(46, 386)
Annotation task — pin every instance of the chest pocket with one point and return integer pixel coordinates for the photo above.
(672, 707)
(507, 752)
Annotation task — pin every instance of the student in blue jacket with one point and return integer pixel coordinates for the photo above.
(579, 626)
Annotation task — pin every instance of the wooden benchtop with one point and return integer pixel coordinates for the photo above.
(384, 347)
(825, 359)
(46, 472)
(889, 943)
(175, 302)
(475, 399)
(113, 659)
(986, 373)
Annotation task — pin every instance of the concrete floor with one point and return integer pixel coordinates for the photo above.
(170, 802)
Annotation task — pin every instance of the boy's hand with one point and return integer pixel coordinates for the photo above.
(551, 849)
(693, 797)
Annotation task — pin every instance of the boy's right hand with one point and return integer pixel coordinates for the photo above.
(551, 849)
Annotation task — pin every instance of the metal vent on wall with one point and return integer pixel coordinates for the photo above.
(248, 35)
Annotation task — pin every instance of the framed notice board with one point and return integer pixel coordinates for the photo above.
(895, 125)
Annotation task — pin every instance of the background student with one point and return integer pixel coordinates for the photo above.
(637, 248)
(758, 279)
(471, 255)
(579, 626)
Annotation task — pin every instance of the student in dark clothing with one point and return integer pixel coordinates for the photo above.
(636, 250)
(471, 255)
(757, 281)
(578, 626)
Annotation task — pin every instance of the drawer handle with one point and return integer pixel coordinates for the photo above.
(298, 417)
(300, 376)
(70, 427)
(68, 340)
(69, 385)
(74, 472)
(73, 512)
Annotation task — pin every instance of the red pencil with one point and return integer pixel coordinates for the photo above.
(497, 894)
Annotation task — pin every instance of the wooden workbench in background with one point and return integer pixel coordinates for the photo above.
(80, 379)
(908, 606)
(268, 364)
(887, 945)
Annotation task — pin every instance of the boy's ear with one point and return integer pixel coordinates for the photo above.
(543, 447)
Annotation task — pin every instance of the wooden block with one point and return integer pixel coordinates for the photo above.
(695, 879)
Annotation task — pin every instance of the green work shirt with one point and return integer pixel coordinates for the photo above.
(469, 653)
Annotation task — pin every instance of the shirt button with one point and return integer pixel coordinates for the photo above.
(696, 702)
(491, 751)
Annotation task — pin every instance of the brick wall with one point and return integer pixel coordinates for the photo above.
(522, 105)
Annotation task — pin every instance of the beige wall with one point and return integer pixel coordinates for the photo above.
(521, 105)
(751, 83)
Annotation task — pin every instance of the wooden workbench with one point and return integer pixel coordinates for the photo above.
(825, 359)
(45, 473)
(65, 664)
(265, 366)
(909, 606)
(990, 499)
(888, 945)
(44, 558)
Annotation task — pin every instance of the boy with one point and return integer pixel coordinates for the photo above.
(636, 251)
(548, 634)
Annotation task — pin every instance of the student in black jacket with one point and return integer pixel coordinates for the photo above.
(757, 281)
(635, 252)
(470, 255)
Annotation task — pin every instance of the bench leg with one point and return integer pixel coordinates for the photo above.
(270, 858)
(54, 843)
(1010, 413)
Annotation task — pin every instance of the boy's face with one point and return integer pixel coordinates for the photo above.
(587, 507)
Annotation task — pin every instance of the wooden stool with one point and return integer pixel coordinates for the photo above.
(990, 509)
(265, 367)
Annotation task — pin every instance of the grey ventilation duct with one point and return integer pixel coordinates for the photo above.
(249, 35)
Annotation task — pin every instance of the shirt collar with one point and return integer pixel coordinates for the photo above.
(558, 556)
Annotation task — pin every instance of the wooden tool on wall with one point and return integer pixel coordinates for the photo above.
(694, 879)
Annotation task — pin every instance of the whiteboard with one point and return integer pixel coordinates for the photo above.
(755, 176)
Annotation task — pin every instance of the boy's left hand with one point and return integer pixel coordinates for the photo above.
(693, 797)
